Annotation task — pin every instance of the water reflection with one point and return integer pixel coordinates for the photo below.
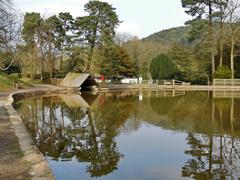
(88, 128)
(63, 130)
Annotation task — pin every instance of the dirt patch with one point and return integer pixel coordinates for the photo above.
(12, 165)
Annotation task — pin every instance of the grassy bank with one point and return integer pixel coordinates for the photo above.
(7, 81)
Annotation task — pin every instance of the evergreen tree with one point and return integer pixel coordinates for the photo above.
(32, 34)
(201, 9)
(96, 29)
(115, 62)
(162, 67)
(51, 26)
(64, 40)
(184, 59)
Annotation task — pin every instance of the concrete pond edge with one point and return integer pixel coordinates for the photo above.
(39, 167)
(137, 87)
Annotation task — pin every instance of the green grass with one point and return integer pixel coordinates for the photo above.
(6, 81)
(30, 81)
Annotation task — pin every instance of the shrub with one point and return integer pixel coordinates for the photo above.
(15, 75)
(46, 76)
(199, 78)
(223, 72)
(162, 67)
(37, 76)
(60, 74)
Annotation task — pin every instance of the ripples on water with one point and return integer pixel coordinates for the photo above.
(137, 135)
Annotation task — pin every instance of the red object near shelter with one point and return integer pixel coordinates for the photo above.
(102, 78)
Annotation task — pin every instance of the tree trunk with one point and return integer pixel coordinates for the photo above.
(221, 45)
(40, 37)
(212, 37)
(42, 68)
(32, 64)
(213, 62)
(90, 56)
(92, 46)
(61, 60)
(51, 60)
(221, 37)
(232, 57)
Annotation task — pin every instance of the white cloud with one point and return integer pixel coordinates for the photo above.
(129, 27)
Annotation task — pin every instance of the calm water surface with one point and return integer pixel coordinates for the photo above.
(137, 135)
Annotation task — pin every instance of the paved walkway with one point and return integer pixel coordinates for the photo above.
(3, 98)
(5, 95)
(18, 157)
(12, 164)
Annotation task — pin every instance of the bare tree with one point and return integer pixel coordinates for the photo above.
(9, 29)
(121, 38)
(233, 19)
(221, 14)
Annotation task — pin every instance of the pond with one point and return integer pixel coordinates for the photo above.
(137, 135)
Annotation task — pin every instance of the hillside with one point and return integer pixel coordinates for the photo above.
(178, 35)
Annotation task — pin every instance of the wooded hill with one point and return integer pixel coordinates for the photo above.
(178, 35)
(174, 42)
(188, 47)
(205, 49)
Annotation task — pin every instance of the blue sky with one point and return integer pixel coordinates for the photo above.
(140, 17)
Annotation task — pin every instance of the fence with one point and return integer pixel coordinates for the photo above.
(56, 81)
(226, 82)
(172, 82)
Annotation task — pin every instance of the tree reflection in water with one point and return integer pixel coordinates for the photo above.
(212, 132)
(215, 156)
(89, 133)
(86, 134)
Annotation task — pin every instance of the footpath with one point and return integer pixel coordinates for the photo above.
(12, 163)
(19, 157)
